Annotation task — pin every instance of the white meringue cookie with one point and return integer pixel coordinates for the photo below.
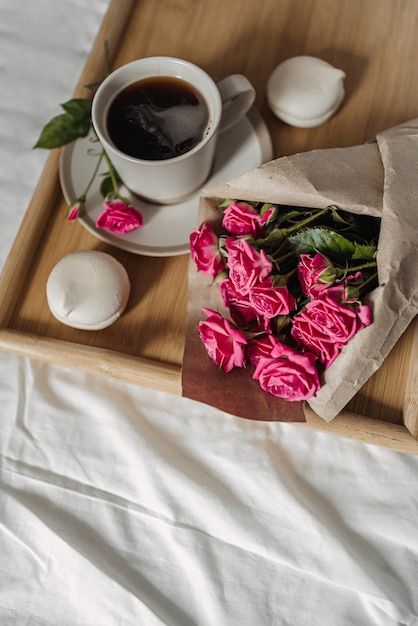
(88, 290)
(305, 91)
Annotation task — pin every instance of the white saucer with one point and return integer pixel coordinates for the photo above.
(166, 228)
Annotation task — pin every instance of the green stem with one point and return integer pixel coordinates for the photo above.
(281, 233)
(283, 257)
(115, 183)
(363, 266)
(282, 279)
(83, 197)
(369, 280)
(291, 229)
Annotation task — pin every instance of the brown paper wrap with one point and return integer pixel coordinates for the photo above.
(379, 179)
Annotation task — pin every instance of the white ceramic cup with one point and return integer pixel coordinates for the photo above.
(171, 180)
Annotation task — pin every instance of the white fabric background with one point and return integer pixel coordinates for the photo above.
(123, 506)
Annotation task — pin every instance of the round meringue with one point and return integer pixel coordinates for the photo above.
(88, 290)
(305, 91)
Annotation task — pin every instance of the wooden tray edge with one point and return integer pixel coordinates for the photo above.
(136, 370)
(410, 404)
(365, 429)
(167, 378)
(31, 230)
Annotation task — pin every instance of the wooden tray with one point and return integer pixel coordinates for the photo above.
(146, 345)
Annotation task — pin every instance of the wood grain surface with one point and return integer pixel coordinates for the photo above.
(372, 41)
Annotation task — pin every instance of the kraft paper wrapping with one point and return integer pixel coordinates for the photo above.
(379, 179)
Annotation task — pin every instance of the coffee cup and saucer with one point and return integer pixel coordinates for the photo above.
(170, 131)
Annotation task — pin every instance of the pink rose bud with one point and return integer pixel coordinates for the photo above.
(315, 274)
(75, 210)
(268, 214)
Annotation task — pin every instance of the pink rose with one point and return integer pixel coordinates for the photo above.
(223, 342)
(325, 326)
(315, 274)
(247, 267)
(269, 301)
(259, 347)
(288, 374)
(205, 251)
(119, 217)
(241, 218)
(239, 306)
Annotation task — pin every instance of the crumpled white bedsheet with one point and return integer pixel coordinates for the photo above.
(121, 506)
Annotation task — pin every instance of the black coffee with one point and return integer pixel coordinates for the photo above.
(157, 118)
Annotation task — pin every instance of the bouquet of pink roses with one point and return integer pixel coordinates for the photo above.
(292, 280)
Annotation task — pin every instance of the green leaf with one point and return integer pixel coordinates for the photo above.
(342, 217)
(364, 252)
(92, 86)
(322, 240)
(225, 203)
(106, 186)
(79, 108)
(68, 126)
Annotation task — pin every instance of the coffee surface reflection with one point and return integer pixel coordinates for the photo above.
(158, 118)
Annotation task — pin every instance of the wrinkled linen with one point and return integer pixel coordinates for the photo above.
(123, 506)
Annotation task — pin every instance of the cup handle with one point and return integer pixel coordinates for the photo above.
(237, 96)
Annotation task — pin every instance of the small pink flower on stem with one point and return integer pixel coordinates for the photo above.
(315, 273)
(119, 217)
(75, 210)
